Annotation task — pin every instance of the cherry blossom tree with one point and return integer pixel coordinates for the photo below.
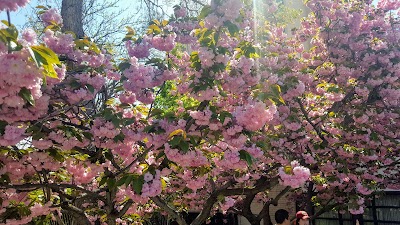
(224, 114)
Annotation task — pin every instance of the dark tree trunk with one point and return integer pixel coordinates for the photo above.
(71, 12)
(267, 220)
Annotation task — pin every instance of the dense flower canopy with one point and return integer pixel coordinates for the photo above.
(205, 114)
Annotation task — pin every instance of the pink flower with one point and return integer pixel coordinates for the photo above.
(180, 12)
(13, 133)
(148, 177)
(164, 43)
(294, 175)
(254, 116)
(12, 5)
(51, 16)
(29, 36)
(138, 50)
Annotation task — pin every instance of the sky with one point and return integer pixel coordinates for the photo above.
(20, 17)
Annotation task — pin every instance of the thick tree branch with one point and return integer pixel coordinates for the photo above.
(127, 205)
(305, 114)
(265, 210)
(54, 187)
(172, 212)
(77, 213)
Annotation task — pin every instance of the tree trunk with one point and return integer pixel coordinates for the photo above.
(267, 220)
(253, 220)
(71, 13)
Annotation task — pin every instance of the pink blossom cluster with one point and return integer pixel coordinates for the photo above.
(183, 31)
(227, 204)
(139, 76)
(202, 118)
(51, 16)
(59, 43)
(65, 143)
(127, 98)
(363, 190)
(254, 116)
(196, 183)
(12, 5)
(164, 42)
(82, 173)
(83, 93)
(357, 206)
(243, 63)
(230, 9)
(29, 37)
(230, 160)
(233, 84)
(207, 94)
(36, 211)
(12, 135)
(18, 73)
(42, 161)
(139, 50)
(180, 12)
(296, 177)
(206, 57)
(15, 169)
(188, 159)
(152, 185)
(193, 182)
(104, 129)
(295, 92)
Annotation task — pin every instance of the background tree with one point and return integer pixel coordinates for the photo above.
(72, 13)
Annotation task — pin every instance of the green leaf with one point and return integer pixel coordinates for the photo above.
(205, 11)
(41, 7)
(122, 181)
(74, 84)
(137, 184)
(56, 155)
(232, 28)
(129, 179)
(27, 95)
(10, 32)
(153, 29)
(102, 181)
(129, 121)
(131, 33)
(175, 141)
(3, 125)
(223, 115)
(123, 66)
(38, 136)
(149, 129)
(90, 88)
(47, 54)
(184, 146)
(87, 135)
(120, 137)
(50, 71)
(46, 58)
(88, 45)
(111, 183)
(244, 155)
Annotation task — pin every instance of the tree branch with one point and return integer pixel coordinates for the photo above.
(265, 210)
(54, 187)
(77, 213)
(127, 205)
(160, 203)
